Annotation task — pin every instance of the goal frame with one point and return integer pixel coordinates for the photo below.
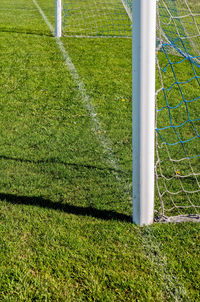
(143, 109)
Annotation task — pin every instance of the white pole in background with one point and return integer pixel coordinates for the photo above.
(58, 19)
(144, 47)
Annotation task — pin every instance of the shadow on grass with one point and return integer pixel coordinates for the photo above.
(65, 207)
(60, 162)
(26, 32)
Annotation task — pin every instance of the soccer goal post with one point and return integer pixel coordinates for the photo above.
(58, 18)
(143, 109)
(165, 96)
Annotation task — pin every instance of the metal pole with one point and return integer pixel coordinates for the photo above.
(144, 47)
(58, 19)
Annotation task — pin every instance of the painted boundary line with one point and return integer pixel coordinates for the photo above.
(85, 98)
(172, 286)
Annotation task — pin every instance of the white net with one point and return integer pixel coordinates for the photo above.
(178, 22)
(178, 109)
(97, 18)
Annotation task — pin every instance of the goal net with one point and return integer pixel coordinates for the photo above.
(97, 18)
(177, 164)
(178, 109)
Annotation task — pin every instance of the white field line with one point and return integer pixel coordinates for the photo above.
(85, 98)
(173, 287)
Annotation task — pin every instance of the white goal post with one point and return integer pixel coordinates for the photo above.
(58, 18)
(166, 116)
(144, 48)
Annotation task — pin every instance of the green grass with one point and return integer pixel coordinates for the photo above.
(65, 219)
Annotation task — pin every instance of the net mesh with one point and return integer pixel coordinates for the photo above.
(96, 18)
(178, 108)
(179, 23)
(177, 166)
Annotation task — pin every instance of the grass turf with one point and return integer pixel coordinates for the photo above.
(65, 231)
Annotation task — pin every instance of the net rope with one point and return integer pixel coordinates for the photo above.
(177, 168)
(177, 165)
(97, 18)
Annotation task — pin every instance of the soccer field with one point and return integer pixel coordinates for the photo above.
(65, 185)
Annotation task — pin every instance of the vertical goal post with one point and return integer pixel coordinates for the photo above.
(58, 18)
(165, 116)
(143, 109)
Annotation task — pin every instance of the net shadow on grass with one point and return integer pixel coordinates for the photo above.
(65, 207)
